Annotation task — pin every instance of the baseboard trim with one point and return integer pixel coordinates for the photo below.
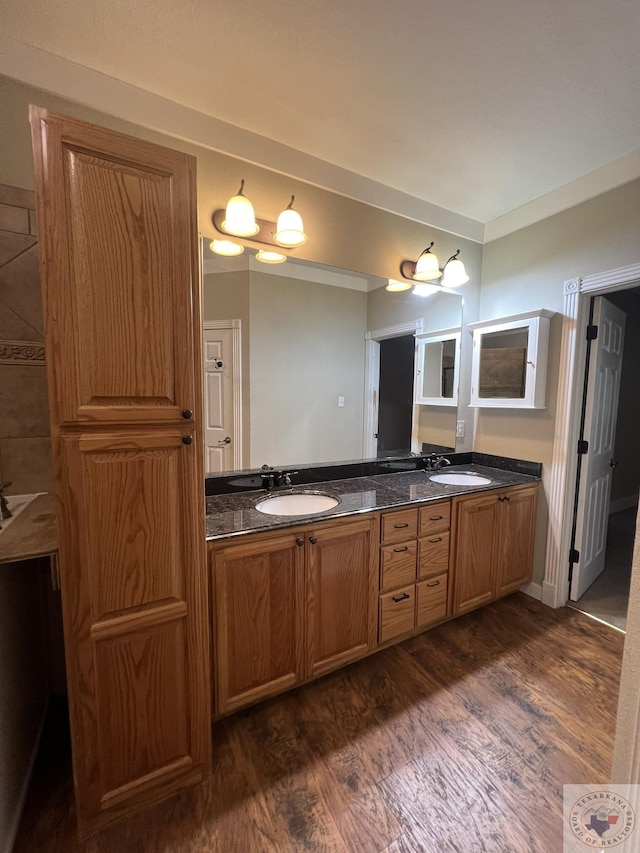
(532, 589)
(17, 815)
(621, 504)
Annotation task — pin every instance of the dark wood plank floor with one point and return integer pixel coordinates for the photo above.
(458, 740)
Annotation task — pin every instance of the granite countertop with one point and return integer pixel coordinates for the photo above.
(234, 514)
(32, 534)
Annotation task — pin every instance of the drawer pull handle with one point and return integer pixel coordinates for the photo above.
(504, 498)
(398, 526)
(434, 583)
(435, 517)
(433, 541)
(403, 597)
(400, 550)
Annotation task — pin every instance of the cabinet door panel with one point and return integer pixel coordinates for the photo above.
(259, 604)
(342, 592)
(516, 530)
(123, 326)
(433, 554)
(474, 572)
(397, 612)
(133, 603)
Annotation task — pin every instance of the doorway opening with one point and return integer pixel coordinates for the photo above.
(395, 396)
(608, 477)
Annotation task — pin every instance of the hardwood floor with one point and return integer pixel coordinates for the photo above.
(457, 740)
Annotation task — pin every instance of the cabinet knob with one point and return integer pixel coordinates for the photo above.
(313, 540)
(504, 499)
(403, 597)
(299, 542)
(187, 439)
(187, 414)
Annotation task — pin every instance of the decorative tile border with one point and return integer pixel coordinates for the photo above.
(21, 352)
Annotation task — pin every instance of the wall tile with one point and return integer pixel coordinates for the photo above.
(17, 196)
(14, 328)
(24, 408)
(20, 287)
(26, 462)
(14, 219)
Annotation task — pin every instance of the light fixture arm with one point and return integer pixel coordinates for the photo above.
(452, 258)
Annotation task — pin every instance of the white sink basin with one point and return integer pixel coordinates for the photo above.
(17, 503)
(300, 503)
(460, 478)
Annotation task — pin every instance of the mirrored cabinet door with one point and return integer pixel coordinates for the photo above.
(510, 361)
(437, 367)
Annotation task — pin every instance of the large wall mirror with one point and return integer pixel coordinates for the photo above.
(285, 361)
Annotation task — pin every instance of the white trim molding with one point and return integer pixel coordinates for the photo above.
(236, 352)
(564, 464)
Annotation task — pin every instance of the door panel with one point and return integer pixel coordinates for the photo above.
(123, 327)
(474, 570)
(220, 428)
(516, 529)
(603, 389)
(342, 593)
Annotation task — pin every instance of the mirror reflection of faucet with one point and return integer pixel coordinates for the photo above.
(277, 479)
(435, 463)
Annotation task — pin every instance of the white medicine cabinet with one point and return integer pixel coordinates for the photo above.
(509, 366)
(437, 368)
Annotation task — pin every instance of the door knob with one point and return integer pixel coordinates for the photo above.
(226, 440)
(613, 463)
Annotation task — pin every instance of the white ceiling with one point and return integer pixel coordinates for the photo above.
(476, 107)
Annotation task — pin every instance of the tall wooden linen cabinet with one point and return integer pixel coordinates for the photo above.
(119, 269)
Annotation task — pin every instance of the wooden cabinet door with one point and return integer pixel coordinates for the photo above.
(514, 540)
(258, 611)
(118, 221)
(118, 254)
(342, 593)
(474, 564)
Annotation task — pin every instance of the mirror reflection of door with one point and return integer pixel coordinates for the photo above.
(395, 402)
(218, 400)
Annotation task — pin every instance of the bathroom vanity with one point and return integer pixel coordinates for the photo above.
(293, 598)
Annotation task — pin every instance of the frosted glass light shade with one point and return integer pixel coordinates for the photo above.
(289, 228)
(427, 268)
(226, 247)
(425, 289)
(240, 218)
(454, 274)
(396, 286)
(266, 257)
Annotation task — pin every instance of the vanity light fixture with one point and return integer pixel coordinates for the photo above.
(226, 248)
(289, 229)
(240, 219)
(267, 257)
(396, 286)
(427, 268)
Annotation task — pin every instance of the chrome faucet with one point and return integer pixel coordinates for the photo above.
(435, 463)
(277, 480)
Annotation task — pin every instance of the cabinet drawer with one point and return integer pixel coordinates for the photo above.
(433, 554)
(435, 518)
(431, 598)
(397, 612)
(398, 564)
(399, 526)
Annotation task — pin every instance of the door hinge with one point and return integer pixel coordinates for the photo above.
(592, 333)
(574, 556)
(583, 446)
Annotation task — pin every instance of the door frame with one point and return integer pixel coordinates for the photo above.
(236, 384)
(564, 465)
(372, 383)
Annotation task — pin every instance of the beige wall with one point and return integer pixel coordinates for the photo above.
(307, 349)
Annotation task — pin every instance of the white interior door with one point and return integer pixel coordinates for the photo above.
(603, 390)
(222, 427)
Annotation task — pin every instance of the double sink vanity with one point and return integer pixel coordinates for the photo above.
(353, 558)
